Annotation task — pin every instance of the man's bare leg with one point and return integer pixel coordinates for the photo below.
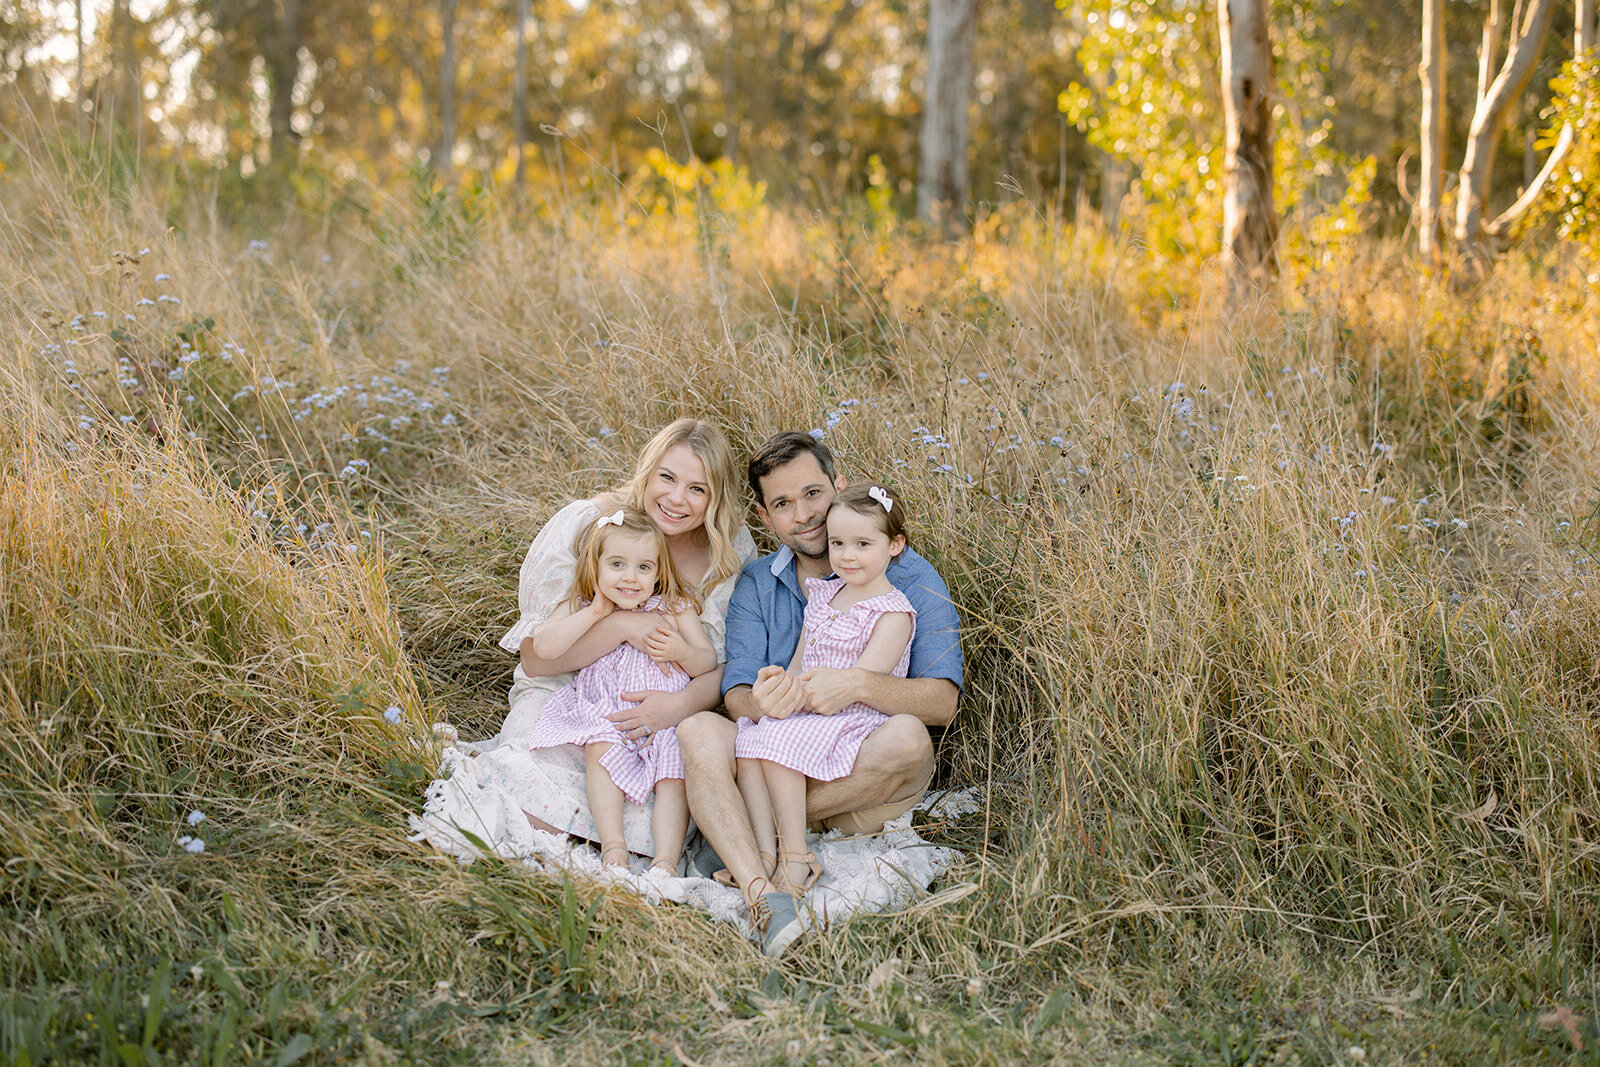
(710, 778)
(895, 762)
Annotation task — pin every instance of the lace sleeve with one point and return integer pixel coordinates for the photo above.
(714, 616)
(547, 570)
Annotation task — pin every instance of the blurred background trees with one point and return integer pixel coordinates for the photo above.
(1112, 107)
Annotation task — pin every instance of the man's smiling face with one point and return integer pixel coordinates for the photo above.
(795, 499)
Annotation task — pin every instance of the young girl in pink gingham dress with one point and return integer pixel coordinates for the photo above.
(623, 563)
(858, 619)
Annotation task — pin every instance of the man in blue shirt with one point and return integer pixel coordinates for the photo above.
(794, 481)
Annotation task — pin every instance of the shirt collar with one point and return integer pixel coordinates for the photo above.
(781, 560)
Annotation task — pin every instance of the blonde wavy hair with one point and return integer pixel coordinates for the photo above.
(725, 512)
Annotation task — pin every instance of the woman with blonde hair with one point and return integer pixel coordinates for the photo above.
(686, 482)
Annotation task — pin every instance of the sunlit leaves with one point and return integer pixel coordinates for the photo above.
(1574, 199)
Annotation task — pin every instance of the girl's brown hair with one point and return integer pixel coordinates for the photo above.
(590, 545)
(863, 499)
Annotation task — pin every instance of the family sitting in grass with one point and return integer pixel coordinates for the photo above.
(837, 659)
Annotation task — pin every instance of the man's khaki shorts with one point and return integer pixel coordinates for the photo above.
(868, 820)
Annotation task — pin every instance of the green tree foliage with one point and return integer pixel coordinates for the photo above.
(1149, 101)
(1574, 200)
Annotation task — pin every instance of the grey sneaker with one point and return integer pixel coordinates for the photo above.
(704, 861)
(784, 927)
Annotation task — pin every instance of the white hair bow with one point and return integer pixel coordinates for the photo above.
(614, 519)
(877, 493)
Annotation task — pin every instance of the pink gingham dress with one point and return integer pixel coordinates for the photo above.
(824, 747)
(576, 715)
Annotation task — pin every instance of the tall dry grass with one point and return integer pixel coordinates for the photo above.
(1280, 622)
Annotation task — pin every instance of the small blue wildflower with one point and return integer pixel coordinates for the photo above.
(196, 817)
(392, 713)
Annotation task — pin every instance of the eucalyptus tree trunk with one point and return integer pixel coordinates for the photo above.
(284, 68)
(519, 92)
(77, 74)
(1249, 223)
(1430, 182)
(1584, 35)
(733, 109)
(127, 92)
(1489, 51)
(447, 91)
(1488, 121)
(943, 183)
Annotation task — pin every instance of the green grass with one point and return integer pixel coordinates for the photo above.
(1281, 683)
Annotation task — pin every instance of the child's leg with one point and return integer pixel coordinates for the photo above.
(669, 823)
(753, 787)
(787, 788)
(605, 805)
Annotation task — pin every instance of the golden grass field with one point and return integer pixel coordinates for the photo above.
(1282, 623)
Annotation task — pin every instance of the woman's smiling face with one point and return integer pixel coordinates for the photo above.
(678, 494)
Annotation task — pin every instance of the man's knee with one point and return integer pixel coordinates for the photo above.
(706, 738)
(904, 747)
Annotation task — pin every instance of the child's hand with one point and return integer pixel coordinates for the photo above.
(777, 693)
(601, 606)
(666, 646)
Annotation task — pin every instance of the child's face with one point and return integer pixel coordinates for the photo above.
(858, 549)
(628, 568)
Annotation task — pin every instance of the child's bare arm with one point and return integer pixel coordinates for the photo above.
(681, 639)
(558, 633)
(890, 635)
(701, 656)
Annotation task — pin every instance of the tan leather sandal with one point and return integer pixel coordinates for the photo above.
(813, 870)
(768, 864)
(607, 850)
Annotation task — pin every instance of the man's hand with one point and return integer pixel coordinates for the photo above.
(777, 693)
(828, 690)
(656, 712)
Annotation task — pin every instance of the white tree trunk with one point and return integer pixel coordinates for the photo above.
(1489, 49)
(1583, 39)
(447, 92)
(1488, 120)
(943, 184)
(77, 74)
(519, 92)
(1430, 183)
(1249, 223)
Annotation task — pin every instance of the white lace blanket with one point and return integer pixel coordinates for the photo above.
(862, 874)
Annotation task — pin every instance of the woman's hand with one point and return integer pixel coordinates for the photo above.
(656, 711)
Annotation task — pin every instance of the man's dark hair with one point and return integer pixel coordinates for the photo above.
(780, 449)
